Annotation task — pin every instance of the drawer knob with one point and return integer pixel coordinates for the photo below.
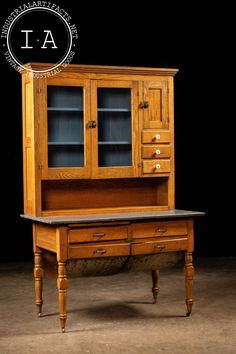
(161, 229)
(158, 166)
(100, 251)
(98, 234)
(158, 137)
(160, 247)
(158, 152)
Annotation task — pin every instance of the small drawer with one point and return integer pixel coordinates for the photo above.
(155, 151)
(154, 229)
(155, 136)
(98, 250)
(102, 233)
(158, 246)
(156, 166)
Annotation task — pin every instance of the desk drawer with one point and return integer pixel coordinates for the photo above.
(155, 136)
(154, 229)
(157, 246)
(156, 166)
(98, 250)
(156, 151)
(98, 233)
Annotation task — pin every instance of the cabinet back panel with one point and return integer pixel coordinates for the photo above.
(87, 194)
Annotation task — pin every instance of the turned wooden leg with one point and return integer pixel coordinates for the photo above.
(62, 285)
(189, 273)
(38, 280)
(155, 289)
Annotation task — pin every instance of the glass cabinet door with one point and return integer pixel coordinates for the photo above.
(66, 131)
(114, 127)
(114, 111)
(65, 126)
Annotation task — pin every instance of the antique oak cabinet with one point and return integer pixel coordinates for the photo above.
(98, 148)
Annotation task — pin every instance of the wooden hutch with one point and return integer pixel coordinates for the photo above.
(98, 148)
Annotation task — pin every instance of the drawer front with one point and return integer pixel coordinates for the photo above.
(154, 229)
(155, 151)
(156, 166)
(99, 250)
(155, 136)
(101, 233)
(158, 246)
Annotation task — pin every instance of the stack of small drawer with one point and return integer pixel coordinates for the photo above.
(156, 151)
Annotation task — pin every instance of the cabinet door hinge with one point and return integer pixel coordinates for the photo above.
(40, 166)
(39, 90)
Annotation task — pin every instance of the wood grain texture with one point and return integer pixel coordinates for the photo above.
(99, 250)
(156, 113)
(38, 280)
(150, 246)
(156, 166)
(155, 287)
(45, 237)
(156, 151)
(62, 286)
(189, 273)
(98, 233)
(89, 194)
(154, 229)
(125, 70)
(155, 136)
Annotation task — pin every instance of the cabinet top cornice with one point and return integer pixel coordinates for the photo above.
(100, 69)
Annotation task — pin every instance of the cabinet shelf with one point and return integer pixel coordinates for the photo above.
(64, 109)
(58, 143)
(114, 143)
(114, 110)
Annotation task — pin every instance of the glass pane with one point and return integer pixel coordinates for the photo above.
(65, 126)
(114, 127)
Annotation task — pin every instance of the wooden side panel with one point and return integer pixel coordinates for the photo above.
(171, 184)
(28, 148)
(45, 237)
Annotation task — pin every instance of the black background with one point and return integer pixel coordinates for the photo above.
(199, 42)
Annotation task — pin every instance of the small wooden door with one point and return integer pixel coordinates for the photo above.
(155, 110)
(114, 126)
(65, 137)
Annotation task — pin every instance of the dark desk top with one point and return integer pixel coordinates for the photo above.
(93, 218)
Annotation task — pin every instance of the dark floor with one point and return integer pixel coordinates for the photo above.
(115, 314)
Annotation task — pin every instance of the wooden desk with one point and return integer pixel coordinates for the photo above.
(111, 243)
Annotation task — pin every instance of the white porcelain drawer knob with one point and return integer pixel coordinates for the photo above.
(158, 152)
(158, 137)
(158, 166)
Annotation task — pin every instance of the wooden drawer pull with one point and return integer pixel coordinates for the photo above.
(100, 251)
(160, 247)
(99, 234)
(161, 229)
